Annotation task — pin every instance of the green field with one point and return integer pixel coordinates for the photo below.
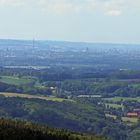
(117, 99)
(130, 121)
(50, 98)
(127, 120)
(116, 106)
(111, 116)
(14, 80)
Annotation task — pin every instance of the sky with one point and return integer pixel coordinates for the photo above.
(114, 21)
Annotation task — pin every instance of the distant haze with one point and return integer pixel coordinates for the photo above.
(112, 21)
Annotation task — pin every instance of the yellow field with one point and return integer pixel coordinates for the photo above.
(130, 121)
(110, 116)
(50, 98)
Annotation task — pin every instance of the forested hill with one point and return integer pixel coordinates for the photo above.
(17, 130)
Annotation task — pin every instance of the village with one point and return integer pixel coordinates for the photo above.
(127, 111)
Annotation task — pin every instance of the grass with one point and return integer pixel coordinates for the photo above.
(127, 120)
(116, 106)
(13, 80)
(50, 98)
(117, 99)
(130, 121)
(111, 116)
(133, 120)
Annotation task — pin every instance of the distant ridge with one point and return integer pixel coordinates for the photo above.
(66, 41)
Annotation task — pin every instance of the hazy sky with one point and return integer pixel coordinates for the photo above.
(72, 20)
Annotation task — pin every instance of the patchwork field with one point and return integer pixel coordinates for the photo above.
(110, 116)
(130, 121)
(116, 106)
(127, 120)
(14, 80)
(50, 98)
(117, 99)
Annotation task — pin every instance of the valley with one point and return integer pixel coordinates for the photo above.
(82, 87)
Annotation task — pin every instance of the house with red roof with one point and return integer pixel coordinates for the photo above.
(132, 114)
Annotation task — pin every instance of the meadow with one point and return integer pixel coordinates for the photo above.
(47, 98)
(118, 99)
(14, 80)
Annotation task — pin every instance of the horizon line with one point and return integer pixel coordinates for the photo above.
(69, 41)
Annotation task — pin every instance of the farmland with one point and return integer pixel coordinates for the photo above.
(117, 106)
(127, 120)
(118, 99)
(50, 98)
(62, 84)
(14, 80)
(110, 116)
(130, 121)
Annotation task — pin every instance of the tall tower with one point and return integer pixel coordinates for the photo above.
(87, 50)
(33, 43)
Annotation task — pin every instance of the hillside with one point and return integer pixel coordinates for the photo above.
(17, 130)
(79, 116)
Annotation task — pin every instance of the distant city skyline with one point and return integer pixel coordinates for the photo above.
(101, 21)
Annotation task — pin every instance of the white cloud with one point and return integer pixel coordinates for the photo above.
(67, 6)
(64, 7)
(108, 7)
(11, 2)
(59, 7)
(114, 8)
(113, 13)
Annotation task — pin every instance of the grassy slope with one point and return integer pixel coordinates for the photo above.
(111, 116)
(51, 98)
(116, 106)
(116, 99)
(130, 121)
(13, 80)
